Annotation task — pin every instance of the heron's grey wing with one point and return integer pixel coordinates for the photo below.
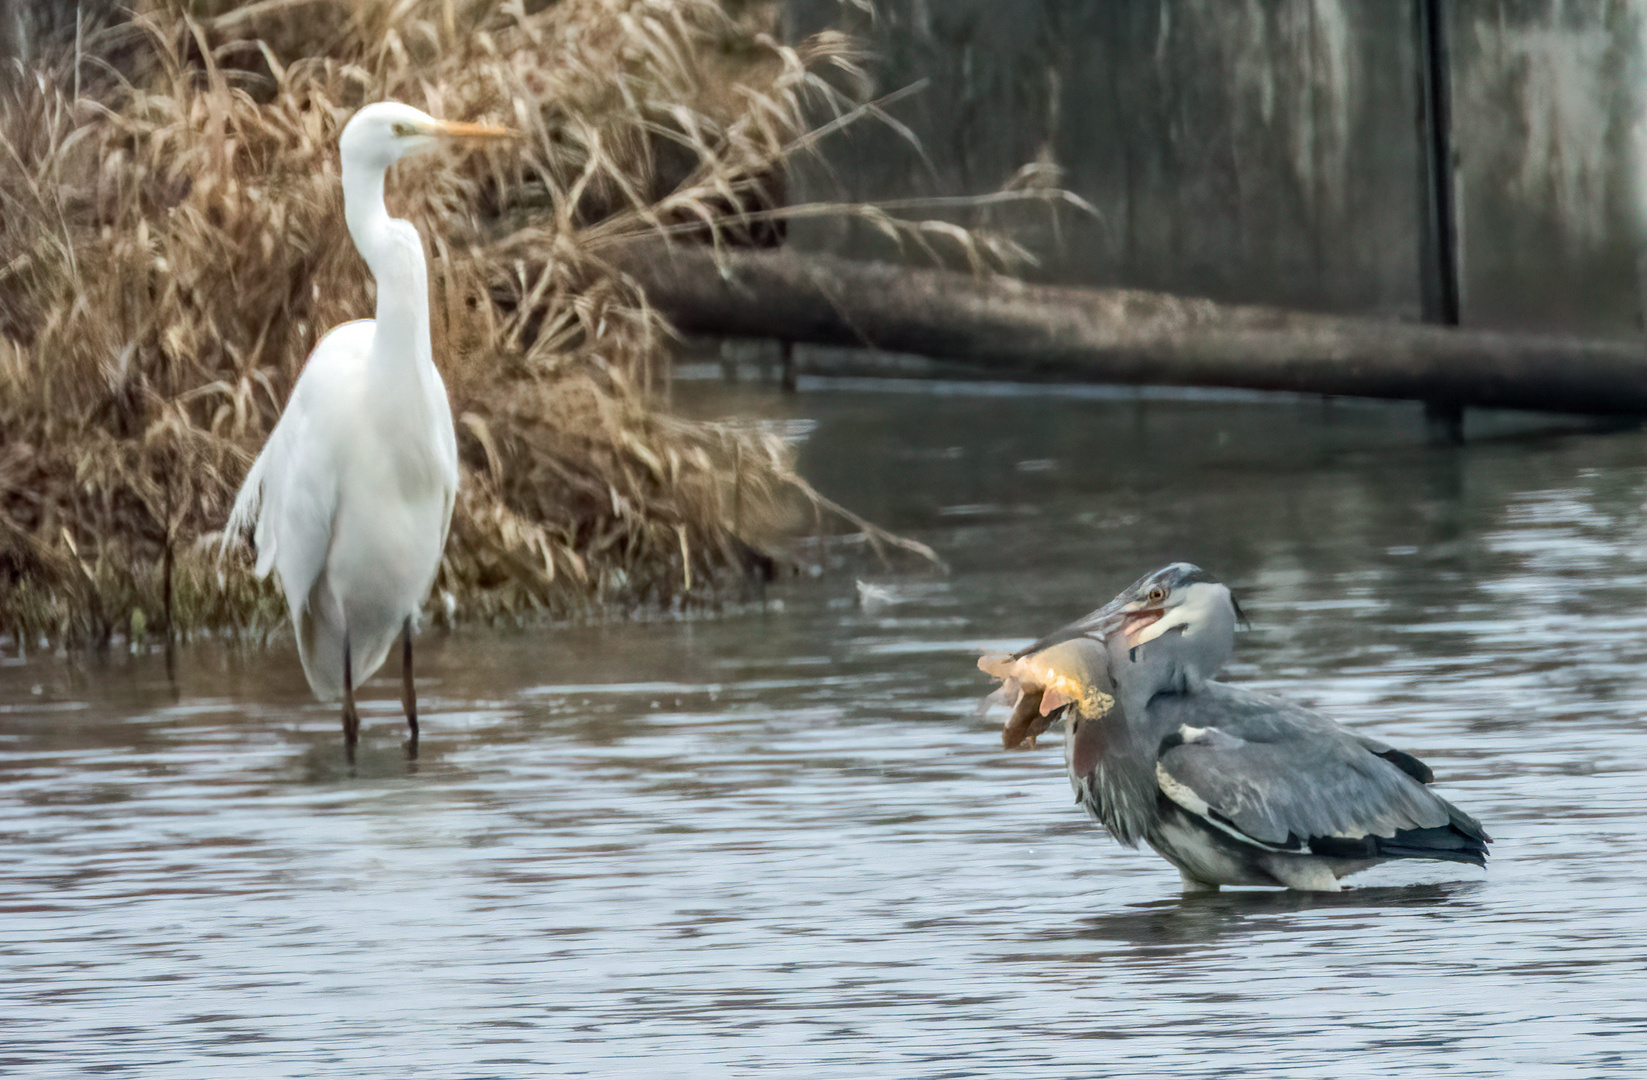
(1280, 775)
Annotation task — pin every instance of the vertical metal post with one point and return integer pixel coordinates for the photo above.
(1438, 248)
(790, 375)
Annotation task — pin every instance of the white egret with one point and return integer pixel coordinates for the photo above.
(351, 498)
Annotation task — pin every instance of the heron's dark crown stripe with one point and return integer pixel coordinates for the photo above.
(1190, 575)
(1095, 624)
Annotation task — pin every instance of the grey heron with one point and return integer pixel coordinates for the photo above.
(1231, 786)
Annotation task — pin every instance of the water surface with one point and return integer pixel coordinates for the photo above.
(783, 844)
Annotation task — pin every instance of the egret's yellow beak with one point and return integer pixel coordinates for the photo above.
(457, 129)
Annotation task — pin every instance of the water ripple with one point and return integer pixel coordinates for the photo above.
(786, 845)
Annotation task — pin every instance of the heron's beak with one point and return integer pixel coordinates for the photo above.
(1134, 622)
(457, 129)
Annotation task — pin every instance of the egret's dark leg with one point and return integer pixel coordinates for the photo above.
(408, 693)
(351, 717)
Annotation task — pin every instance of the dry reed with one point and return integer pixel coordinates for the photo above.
(172, 245)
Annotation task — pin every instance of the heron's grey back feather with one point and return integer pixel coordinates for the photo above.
(1283, 774)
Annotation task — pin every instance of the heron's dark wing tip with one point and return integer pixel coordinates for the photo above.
(1446, 843)
(1407, 764)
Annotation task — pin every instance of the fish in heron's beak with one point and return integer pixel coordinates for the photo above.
(1039, 684)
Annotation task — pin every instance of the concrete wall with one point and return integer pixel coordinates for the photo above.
(1547, 96)
(1272, 150)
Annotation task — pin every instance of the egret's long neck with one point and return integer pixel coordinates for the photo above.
(394, 254)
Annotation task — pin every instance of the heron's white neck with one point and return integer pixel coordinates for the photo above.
(1191, 642)
(394, 254)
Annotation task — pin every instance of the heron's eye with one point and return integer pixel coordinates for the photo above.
(1157, 594)
(401, 130)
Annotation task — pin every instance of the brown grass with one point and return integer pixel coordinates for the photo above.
(172, 244)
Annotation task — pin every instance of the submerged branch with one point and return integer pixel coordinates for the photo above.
(1125, 336)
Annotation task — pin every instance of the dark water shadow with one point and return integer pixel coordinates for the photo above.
(380, 755)
(1559, 428)
(1196, 919)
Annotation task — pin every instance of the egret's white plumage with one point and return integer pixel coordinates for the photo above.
(350, 500)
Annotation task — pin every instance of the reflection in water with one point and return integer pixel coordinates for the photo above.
(1199, 918)
(783, 843)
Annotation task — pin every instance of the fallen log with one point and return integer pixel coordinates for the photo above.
(1126, 336)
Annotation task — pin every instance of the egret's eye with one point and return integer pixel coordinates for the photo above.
(402, 130)
(1157, 594)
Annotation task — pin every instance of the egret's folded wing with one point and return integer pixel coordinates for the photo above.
(298, 468)
(294, 531)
